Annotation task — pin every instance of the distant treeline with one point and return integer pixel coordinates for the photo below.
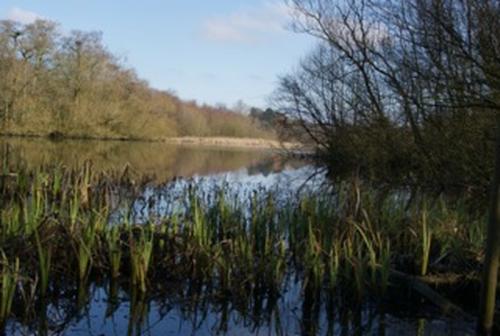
(71, 85)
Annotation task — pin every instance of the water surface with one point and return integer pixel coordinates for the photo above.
(163, 161)
(101, 308)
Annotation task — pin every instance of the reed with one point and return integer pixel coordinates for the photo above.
(9, 277)
(11, 222)
(141, 241)
(426, 243)
(44, 264)
(33, 205)
(333, 266)
(113, 242)
(348, 240)
(84, 248)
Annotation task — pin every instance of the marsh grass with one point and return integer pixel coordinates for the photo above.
(141, 241)
(44, 263)
(347, 240)
(426, 243)
(9, 278)
(114, 248)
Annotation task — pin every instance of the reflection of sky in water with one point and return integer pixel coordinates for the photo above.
(170, 316)
(288, 178)
(239, 187)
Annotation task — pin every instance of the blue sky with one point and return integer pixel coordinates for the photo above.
(208, 50)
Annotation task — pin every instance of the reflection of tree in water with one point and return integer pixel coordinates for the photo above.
(205, 306)
(144, 158)
(264, 167)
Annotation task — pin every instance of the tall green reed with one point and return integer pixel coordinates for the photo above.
(9, 277)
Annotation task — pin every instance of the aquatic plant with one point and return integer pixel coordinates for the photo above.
(44, 264)
(351, 240)
(9, 277)
(141, 241)
(113, 241)
(426, 243)
(84, 247)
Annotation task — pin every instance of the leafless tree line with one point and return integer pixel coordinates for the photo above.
(423, 74)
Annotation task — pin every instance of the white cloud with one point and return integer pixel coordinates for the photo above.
(23, 16)
(247, 25)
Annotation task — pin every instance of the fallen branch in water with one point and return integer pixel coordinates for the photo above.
(449, 279)
(417, 284)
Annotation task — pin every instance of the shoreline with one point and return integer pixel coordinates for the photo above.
(229, 142)
(217, 142)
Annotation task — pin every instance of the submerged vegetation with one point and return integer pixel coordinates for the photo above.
(352, 239)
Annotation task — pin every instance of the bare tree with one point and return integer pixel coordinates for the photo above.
(430, 65)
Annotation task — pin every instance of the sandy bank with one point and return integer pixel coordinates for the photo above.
(233, 142)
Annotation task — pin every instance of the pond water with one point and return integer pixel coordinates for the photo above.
(184, 311)
(188, 308)
(162, 161)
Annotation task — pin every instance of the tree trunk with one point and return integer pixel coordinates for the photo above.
(492, 257)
